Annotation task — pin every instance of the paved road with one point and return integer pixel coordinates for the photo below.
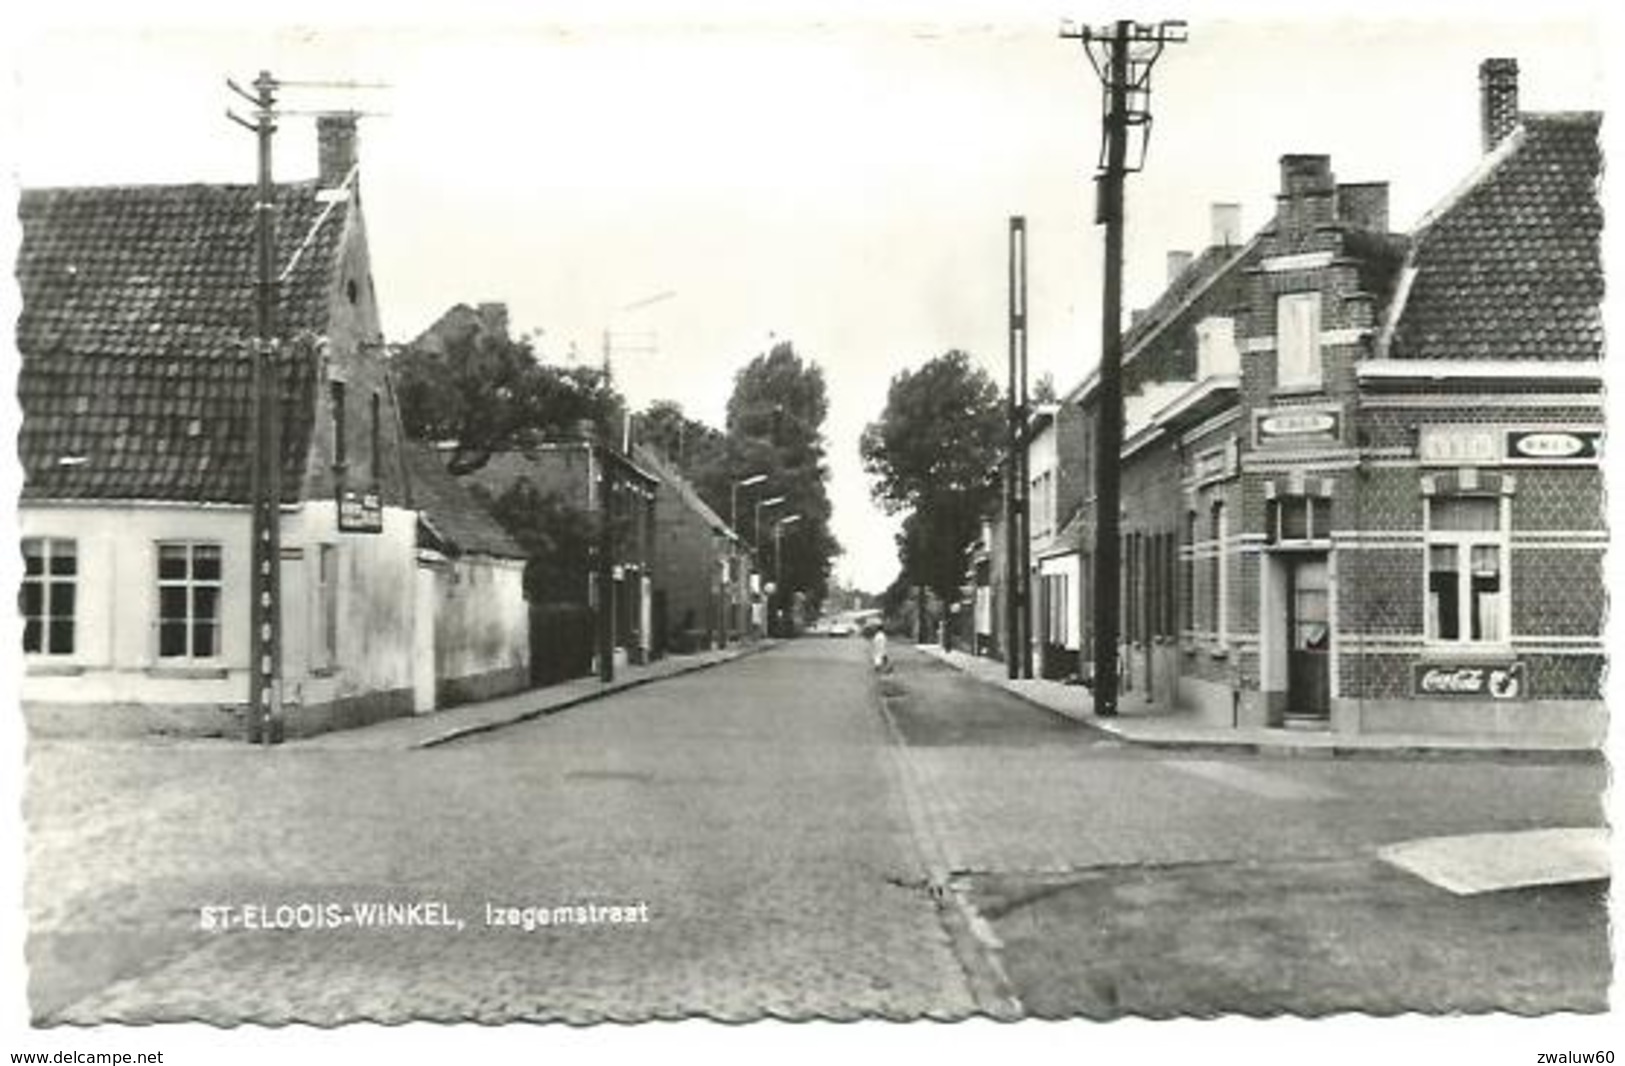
(1111, 880)
(799, 854)
(755, 808)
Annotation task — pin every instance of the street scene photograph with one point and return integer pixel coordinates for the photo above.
(902, 516)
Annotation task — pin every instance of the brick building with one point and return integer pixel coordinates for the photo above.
(567, 478)
(1360, 475)
(701, 570)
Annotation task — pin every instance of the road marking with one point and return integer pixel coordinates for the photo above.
(1256, 782)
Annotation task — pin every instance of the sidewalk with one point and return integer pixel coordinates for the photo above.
(438, 727)
(1177, 730)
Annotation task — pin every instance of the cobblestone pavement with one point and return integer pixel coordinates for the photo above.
(1087, 800)
(1105, 880)
(754, 808)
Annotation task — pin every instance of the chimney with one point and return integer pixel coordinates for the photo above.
(335, 147)
(1308, 196)
(1364, 205)
(1177, 262)
(1497, 100)
(1226, 225)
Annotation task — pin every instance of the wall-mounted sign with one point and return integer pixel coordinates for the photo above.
(1492, 681)
(1215, 464)
(1553, 445)
(360, 511)
(1458, 445)
(1293, 425)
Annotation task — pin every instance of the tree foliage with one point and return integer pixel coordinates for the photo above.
(487, 392)
(932, 454)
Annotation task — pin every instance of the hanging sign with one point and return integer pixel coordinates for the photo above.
(1492, 681)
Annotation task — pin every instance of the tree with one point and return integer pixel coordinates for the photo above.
(469, 382)
(775, 426)
(931, 454)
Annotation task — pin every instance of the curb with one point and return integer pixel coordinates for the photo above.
(459, 732)
(1285, 750)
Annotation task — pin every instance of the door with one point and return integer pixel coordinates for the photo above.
(424, 695)
(1309, 639)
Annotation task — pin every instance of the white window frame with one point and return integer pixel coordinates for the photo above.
(1297, 341)
(190, 583)
(46, 580)
(1464, 541)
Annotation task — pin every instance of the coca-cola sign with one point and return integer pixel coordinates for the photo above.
(1492, 681)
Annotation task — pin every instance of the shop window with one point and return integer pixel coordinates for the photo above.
(1466, 578)
(1300, 519)
(188, 600)
(1297, 340)
(48, 599)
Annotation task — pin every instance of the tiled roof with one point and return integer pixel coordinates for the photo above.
(452, 512)
(1201, 270)
(673, 479)
(136, 331)
(1511, 267)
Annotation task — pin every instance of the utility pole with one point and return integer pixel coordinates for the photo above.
(1122, 55)
(265, 720)
(606, 565)
(264, 725)
(1017, 614)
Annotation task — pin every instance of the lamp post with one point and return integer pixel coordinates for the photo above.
(733, 529)
(756, 541)
(778, 554)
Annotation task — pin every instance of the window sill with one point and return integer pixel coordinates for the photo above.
(1295, 391)
(1457, 653)
(50, 669)
(324, 671)
(188, 673)
(1218, 651)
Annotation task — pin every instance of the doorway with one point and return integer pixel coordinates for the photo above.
(1309, 640)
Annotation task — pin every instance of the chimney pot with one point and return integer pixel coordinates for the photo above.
(335, 148)
(1497, 99)
(1177, 262)
(1226, 225)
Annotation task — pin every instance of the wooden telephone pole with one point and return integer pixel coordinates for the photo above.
(1122, 54)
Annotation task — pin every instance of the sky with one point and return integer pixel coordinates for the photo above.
(837, 176)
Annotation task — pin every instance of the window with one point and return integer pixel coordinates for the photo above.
(376, 439)
(1216, 351)
(336, 392)
(1217, 582)
(1297, 340)
(1190, 570)
(1300, 518)
(48, 599)
(327, 605)
(1466, 602)
(188, 600)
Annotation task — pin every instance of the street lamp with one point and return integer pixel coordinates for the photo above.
(733, 531)
(733, 497)
(756, 541)
(778, 554)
